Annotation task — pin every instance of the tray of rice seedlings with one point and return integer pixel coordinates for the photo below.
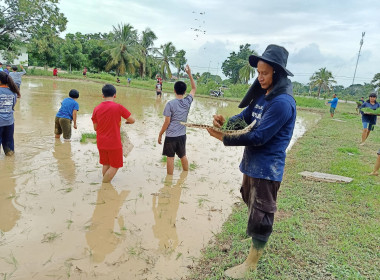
(369, 111)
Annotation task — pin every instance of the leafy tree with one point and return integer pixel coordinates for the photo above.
(94, 50)
(235, 62)
(20, 20)
(180, 61)
(166, 57)
(44, 47)
(376, 81)
(125, 52)
(146, 44)
(246, 72)
(299, 88)
(72, 52)
(323, 79)
(206, 77)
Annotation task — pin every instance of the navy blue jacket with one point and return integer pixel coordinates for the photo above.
(265, 146)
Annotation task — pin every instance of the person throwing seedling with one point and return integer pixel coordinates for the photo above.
(269, 103)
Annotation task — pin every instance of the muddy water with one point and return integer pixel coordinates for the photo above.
(57, 221)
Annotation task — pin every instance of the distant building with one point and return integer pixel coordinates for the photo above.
(22, 58)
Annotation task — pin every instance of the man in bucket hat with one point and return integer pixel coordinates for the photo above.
(269, 103)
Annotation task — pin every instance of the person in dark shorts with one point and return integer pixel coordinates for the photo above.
(270, 104)
(66, 115)
(176, 111)
(85, 72)
(158, 90)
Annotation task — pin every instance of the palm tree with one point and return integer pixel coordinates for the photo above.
(166, 57)
(180, 61)
(125, 52)
(322, 79)
(146, 44)
(246, 72)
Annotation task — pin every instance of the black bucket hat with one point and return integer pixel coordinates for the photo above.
(273, 54)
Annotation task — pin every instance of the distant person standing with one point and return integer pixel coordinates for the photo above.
(55, 72)
(334, 103)
(368, 120)
(85, 72)
(16, 76)
(159, 80)
(129, 81)
(158, 90)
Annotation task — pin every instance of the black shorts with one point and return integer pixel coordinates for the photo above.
(158, 92)
(260, 195)
(175, 145)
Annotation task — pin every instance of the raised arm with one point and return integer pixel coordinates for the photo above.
(193, 86)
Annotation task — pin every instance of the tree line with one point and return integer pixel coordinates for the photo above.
(37, 25)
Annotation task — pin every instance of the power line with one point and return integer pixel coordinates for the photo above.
(357, 61)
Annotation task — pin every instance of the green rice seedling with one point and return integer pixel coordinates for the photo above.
(193, 166)
(370, 111)
(235, 125)
(164, 159)
(86, 136)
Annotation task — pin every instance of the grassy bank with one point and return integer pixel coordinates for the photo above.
(321, 230)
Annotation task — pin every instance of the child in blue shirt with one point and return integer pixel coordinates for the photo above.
(66, 115)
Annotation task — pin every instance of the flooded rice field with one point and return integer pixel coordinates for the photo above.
(58, 221)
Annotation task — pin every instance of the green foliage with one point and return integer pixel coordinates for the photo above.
(86, 136)
(166, 57)
(180, 61)
(124, 52)
(323, 79)
(235, 62)
(71, 51)
(370, 111)
(376, 80)
(21, 20)
(309, 102)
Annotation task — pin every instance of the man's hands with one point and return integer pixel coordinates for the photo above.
(160, 139)
(188, 70)
(217, 122)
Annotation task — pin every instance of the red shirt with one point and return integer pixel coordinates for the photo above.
(107, 115)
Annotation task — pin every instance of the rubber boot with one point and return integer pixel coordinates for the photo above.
(240, 271)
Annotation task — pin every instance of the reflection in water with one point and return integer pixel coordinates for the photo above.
(165, 212)
(66, 165)
(9, 214)
(101, 236)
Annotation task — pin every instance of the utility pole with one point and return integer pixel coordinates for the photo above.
(357, 61)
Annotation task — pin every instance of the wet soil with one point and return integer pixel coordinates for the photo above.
(58, 221)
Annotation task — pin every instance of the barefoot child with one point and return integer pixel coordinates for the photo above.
(107, 121)
(176, 111)
(66, 115)
(8, 97)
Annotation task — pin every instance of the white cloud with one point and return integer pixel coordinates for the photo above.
(317, 34)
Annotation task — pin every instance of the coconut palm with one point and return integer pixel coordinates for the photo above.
(125, 52)
(246, 72)
(180, 61)
(323, 79)
(146, 44)
(166, 57)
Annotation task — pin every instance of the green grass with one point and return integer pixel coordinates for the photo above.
(321, 230)
(86, 136)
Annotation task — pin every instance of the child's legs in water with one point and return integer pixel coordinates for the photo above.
(111, 160)
(6, 139)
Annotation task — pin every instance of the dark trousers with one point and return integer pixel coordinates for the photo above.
(6, 138)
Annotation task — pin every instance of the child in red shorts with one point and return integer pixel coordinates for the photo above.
(107, 121)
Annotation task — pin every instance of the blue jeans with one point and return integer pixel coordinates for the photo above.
(6, 138)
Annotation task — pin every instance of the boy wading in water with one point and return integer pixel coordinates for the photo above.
(176, 111)
(107, 121)
(67, 114)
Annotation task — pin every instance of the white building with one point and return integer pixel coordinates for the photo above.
(23, 58)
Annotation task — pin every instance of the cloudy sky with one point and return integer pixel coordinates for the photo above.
(323, 33)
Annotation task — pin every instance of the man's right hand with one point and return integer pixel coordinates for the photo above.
(218, 120)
